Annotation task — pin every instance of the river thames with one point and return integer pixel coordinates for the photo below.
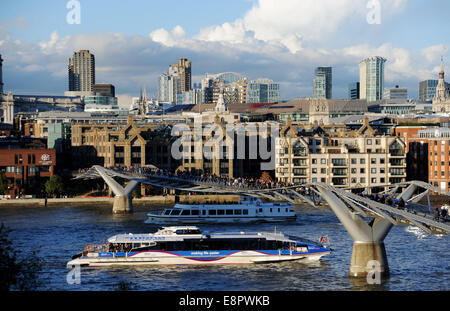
(417, 261)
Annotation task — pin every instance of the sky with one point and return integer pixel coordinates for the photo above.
(135, 41)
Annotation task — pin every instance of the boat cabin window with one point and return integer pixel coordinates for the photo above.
(260, 210)
(220, 212)
(188, 231)
(278, 210)
(237, 212)
(175, 211)
(229, 212)
(167, 212)
(203, 212)
(195, 212)
(212, 212)
(245, 211)
(186, 212)
(271, 210)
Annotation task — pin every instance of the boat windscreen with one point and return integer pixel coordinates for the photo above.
(303, 240)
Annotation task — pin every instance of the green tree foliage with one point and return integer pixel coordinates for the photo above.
(54, 186)
(15, 273)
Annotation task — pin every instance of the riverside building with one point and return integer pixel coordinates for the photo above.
(339, 157)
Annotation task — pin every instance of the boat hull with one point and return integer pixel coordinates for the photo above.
(195, 258)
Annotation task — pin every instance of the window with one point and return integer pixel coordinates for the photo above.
(212, 212)
(245, 211)
(186, 212)
(220, 212)
(229, 212)
(373, 161)
(195, 212)
(237, 212)
(362, 161)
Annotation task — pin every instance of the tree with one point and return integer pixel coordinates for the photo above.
(265, 177)
(15, 273)
(3, 183)
(54, 186)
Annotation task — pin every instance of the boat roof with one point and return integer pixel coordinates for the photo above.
(179, 233)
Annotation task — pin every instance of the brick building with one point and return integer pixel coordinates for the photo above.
(27, 165)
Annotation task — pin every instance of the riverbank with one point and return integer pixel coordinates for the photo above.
(168, 199)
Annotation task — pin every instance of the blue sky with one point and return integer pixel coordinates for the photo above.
(134, 41)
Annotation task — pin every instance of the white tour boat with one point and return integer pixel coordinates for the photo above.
(247, 210)
(188, 245)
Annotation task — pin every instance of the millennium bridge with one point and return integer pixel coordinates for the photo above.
(368, 221)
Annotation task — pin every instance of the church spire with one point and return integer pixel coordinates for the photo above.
(441, 73)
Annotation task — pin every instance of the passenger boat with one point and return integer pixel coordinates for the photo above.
(188, 245)
(247, 210)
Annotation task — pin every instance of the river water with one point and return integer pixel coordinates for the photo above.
(417, 261)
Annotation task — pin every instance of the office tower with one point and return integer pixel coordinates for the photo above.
(427, 90)
(323, 83)
(82, 71)
(371, 78)
(396, 93)
(263, 91)
(353, 90)
(183, 70)
(1, 75)
(169, 88)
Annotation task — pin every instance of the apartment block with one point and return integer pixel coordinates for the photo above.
(343, 158)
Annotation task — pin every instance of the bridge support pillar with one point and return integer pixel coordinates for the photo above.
(369, 253)
(123, 195)
(122, 204)
(369, 258)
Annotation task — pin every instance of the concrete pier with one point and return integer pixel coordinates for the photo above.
(369, 258)
(122, 204)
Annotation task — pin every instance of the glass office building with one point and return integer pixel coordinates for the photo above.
(323, 83)
(371, 78)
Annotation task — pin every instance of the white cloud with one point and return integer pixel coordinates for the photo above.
(168, 38)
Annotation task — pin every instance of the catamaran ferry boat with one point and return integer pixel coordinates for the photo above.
(247, 210)
(188, 245)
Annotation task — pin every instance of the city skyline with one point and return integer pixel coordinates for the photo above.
(248, 37)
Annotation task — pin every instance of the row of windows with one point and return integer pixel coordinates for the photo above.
(216, 244)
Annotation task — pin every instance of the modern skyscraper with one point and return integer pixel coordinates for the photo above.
(263, 91)
(323, 82)
(1, 75)
(371, 78)
(82, 71)
(353, 90)
(184, 72)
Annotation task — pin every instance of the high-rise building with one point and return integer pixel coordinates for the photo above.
(323, 81)
(82, 71)
(371, 78)
(1, 75)
(183, 69)
(427, 89)
(396, 93)
(353, 90)
(263, 91)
